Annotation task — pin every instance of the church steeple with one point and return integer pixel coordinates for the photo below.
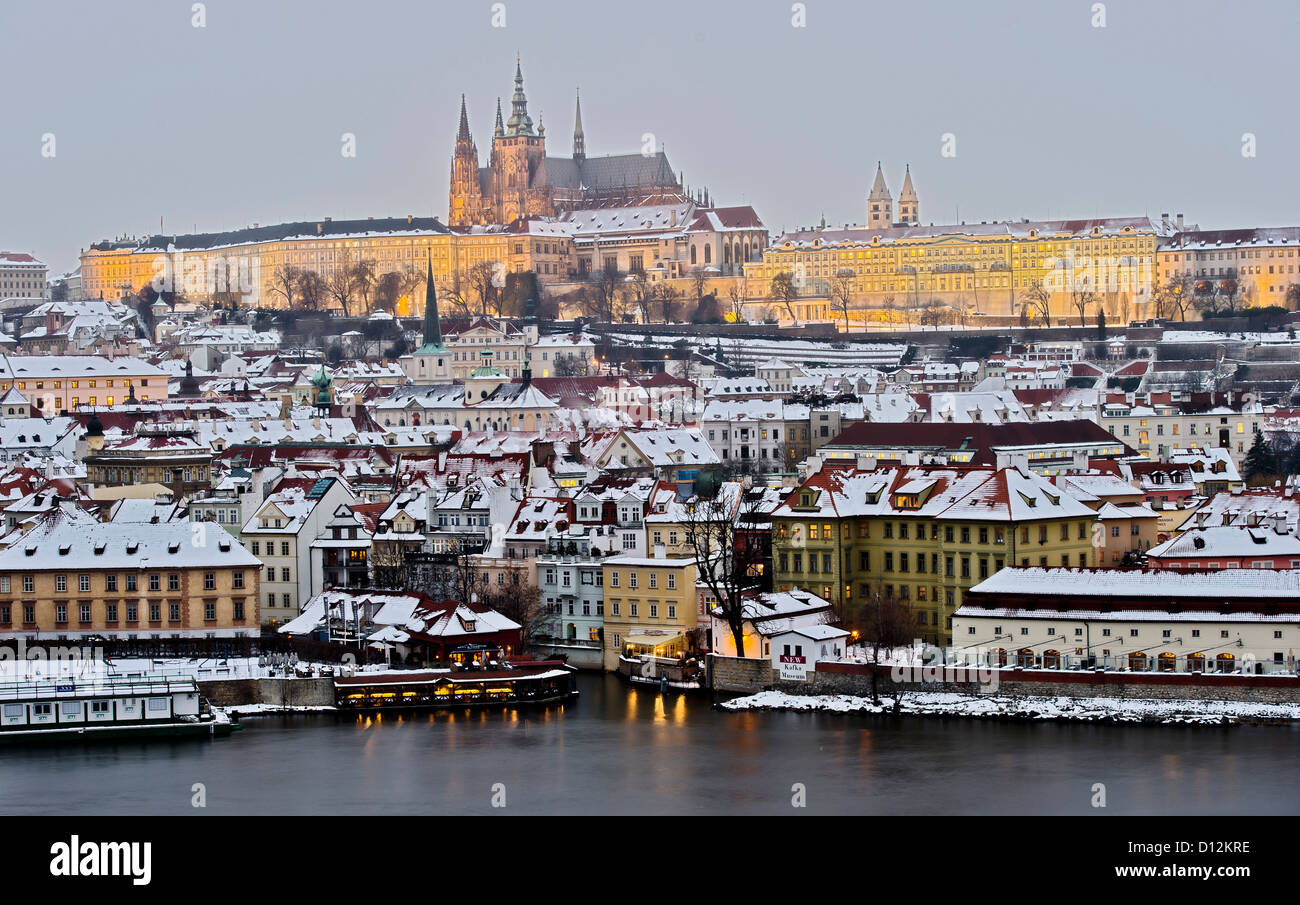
(909, 208)
(432, 328)
(500, 130)
(520, 123)
(880, 204)
(579, 140)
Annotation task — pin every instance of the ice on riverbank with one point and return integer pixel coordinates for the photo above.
(1120, 710)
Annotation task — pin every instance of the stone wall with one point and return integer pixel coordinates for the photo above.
(739, 673)
(855, 679)
(291, 692)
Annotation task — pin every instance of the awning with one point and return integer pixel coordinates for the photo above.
(653, 639)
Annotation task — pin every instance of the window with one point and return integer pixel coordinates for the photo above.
(173, 581)
(83, 582)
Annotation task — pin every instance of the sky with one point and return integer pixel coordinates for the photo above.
(241, 121)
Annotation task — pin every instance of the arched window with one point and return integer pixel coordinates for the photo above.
(692, 254)
(726, 254)
(708, 259)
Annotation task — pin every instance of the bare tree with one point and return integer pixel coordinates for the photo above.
(640, 293)
(523, 604)
(888, 623)
(364, 279)
(736, 292)
(699, 279)
(603, 289)
(1039, 298)
(481, 279)
(1081, 296)
(412, 280)
(934, 313)
(341, 284)
(312, 291)
(388, 289)
(724, 563)
(284, 282)
(668, 297)
(842, 292)
(783, 289)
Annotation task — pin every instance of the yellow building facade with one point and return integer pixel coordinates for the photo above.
(984, 269)
(922, 535)
(650, 606)
(246, 261)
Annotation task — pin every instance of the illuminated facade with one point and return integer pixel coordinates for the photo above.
(978, 269)
(922, 535)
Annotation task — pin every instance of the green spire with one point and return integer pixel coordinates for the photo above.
(520, 123)
(432, 329)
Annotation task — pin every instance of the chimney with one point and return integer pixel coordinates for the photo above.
(1179, 221)
(318, 229)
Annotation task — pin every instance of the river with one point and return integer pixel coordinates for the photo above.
(628, 751)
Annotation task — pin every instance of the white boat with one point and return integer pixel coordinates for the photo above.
(106, 707)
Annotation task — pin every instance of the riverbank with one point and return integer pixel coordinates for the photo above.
(1007, 707)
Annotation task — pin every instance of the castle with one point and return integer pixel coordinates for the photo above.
(520, 180)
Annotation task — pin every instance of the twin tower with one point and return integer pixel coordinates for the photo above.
(880, 204)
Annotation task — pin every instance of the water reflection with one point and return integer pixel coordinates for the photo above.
(618, 749)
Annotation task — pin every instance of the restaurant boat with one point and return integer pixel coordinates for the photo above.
(107, 707)
(534, 682)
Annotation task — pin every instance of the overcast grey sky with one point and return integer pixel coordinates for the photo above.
(240, 121)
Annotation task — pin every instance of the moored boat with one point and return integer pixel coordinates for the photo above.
(534, 682)
(107, 707)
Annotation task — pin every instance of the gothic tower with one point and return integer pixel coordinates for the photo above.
(909, 209)
(519, 180)
(465, 198)
(880, 204)
(579, 140)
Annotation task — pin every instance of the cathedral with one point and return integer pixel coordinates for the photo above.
(520, 180)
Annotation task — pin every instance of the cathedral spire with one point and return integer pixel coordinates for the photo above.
(579, 140)
(463, 133)
(500, 130)
(432, 328)
(520, 123)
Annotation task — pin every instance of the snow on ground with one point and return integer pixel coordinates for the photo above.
(201, 668)
(264, 709)
(1123, 710)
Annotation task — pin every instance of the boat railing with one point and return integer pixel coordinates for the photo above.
(97, 686)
